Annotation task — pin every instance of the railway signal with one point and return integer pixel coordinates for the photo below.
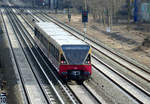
(69, 17)
(84, 16)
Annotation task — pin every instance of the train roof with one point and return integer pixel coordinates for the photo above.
(58, 34)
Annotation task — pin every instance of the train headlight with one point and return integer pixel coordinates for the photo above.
(63, 62)
(87, 62)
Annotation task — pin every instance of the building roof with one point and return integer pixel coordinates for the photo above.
(58, 34)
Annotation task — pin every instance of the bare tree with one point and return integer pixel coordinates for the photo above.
(103, 11)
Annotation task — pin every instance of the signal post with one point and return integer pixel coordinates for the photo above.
(85, 18)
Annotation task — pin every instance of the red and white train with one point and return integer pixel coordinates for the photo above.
(69, 55)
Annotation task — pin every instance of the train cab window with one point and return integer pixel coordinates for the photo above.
(62, 60)
(75, 54)
(88, 59)
(54, 51)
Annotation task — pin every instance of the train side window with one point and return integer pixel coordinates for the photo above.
(35, 31)
(42, 38)
(39, 35)
(51, 48)
(54, 51)
(46, 43)
(57, 54)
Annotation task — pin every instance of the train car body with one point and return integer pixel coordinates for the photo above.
(69, 55)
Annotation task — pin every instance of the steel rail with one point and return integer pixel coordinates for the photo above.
(16, 28)
(15, 59)
(123, 77)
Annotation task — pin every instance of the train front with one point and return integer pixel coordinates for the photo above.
(75, 62)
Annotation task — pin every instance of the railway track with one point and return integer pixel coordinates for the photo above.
(58, 81)
(24, 92)
(128, 64)
(147, 93)
(140, 71)
(123, 82)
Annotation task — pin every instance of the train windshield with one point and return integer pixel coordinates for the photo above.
(75, 54)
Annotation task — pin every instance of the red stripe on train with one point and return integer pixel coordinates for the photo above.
(65, 68)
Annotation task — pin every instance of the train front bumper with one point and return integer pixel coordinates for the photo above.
(76, 75)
